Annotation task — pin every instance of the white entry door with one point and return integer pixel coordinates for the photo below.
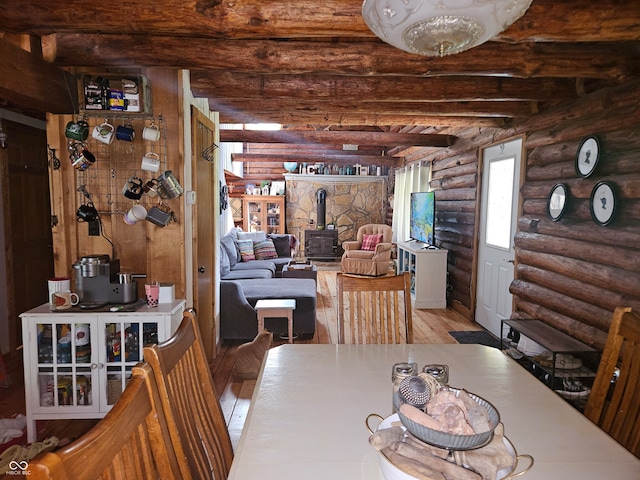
(498, 217)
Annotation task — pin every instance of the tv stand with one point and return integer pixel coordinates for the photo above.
(428, 268)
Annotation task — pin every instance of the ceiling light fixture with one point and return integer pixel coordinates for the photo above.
(440, 27)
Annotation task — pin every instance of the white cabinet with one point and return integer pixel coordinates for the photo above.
(428, 268)
(76, 363)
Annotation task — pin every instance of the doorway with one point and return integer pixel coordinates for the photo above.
(204, 234)
(26, 221)
(499, 210)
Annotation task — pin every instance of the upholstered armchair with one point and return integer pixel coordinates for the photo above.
(370, 253)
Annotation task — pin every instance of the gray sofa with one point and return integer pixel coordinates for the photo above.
(243, 283)
(238, 317)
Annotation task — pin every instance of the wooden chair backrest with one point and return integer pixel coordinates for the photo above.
(378, 309)
(195, 419)
(130, 442)
(619, 414)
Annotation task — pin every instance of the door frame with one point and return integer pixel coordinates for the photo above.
(479, 191)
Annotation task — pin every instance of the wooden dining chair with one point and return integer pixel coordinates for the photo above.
(618, 414)
(378, 309)
(130, 442)
(195, 419)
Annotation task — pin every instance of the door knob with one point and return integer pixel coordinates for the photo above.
(201, 269)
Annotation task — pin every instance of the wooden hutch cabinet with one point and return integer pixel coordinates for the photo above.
(263, 213)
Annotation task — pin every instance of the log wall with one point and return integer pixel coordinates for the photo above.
(572, 273)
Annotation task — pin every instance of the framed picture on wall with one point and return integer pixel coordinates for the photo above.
(587, 156)
(557, 201)
(603, 203)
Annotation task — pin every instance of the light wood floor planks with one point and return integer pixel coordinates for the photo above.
(430, 326)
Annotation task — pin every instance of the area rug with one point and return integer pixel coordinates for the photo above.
(479, 337)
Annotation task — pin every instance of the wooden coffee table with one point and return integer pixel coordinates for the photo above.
(276, 308)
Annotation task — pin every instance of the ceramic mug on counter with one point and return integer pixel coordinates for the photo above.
(64, 300)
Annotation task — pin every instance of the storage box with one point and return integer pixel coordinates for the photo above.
(167, 293)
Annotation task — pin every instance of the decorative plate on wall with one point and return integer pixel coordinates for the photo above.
(557, 201)
(587, 156)
(603, 203)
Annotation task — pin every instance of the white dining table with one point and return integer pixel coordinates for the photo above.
(308, 411)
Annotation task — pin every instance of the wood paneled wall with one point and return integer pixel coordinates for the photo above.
(570, 274)
(144, 247)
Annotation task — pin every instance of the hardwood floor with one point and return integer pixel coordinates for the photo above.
(430, 326)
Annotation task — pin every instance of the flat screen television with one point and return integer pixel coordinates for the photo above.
(422, 216)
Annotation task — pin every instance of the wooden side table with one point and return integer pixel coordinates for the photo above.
(276, 308)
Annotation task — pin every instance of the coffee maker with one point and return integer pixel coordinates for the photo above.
(98, 281)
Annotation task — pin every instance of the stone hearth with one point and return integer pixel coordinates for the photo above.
(351, 201)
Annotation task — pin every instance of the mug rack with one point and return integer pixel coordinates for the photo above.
(118, 161)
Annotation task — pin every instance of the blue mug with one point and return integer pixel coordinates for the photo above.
(125, 133)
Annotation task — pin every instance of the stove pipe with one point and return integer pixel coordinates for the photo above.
(321, 196)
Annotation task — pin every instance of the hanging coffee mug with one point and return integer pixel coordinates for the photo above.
(133, 188)
(151, 162)
(82, 159)
(103, 133)
(77, 130)
(151, 133)
(160, 215)
(125, 133)
(86, 213)
(135, 214)
(151, 188)
(169, 185)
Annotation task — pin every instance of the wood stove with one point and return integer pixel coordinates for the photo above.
(321, 244)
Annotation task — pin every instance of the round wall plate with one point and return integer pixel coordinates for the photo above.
(587, 156)
(603, 203)
(557, 201)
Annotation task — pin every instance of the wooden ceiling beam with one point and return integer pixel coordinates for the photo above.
(347, 119)
(31, 82)
(332, 159)
(523, 60)
(337, 137)
(546, 20)
(234, 85)
(425, 109)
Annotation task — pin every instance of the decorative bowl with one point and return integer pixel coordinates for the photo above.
(390, 472)
(451, 441)
(290, 166)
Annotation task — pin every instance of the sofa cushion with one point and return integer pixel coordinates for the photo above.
(369, 242)
(240, 274)
(246, 250)
(282, 243)
(264, 250)
(268, 265)
(228, 241)
(225, 266)
(257, 236)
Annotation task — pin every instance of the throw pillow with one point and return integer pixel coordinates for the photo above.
(225, 267)
(282, 244)
(369, 242)
(229, 244)
(265, 250)
(246, 250)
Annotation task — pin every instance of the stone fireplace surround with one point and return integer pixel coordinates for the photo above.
(351, 201)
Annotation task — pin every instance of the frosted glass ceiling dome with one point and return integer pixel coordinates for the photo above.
(440, 27)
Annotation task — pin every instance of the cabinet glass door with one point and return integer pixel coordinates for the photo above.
(255, 216)
(66, 364)
(123, 343)
(273, 217)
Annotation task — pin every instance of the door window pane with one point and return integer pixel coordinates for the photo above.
(499, 203)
